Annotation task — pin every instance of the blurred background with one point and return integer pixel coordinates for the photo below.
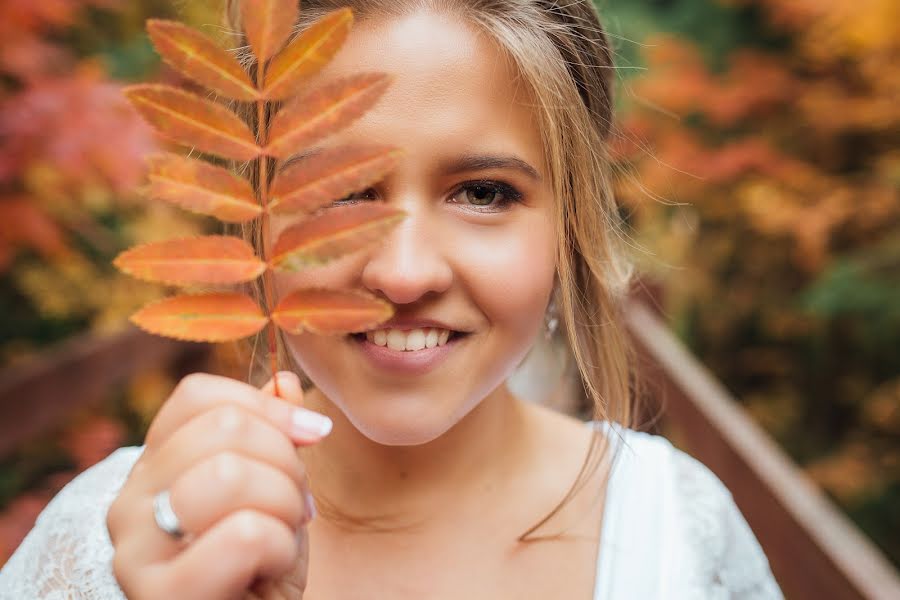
(758, 166)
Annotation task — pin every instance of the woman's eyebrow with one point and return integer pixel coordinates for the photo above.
(460, 164)
(484, 162)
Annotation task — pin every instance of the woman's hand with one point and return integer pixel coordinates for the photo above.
(226, 452)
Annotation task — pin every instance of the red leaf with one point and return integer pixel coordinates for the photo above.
(201, 59)
(214, 259)
(268, 24)
(327, 110)
(203, 188)
(330, 175)
(308, 53)
(202, 318)
(193, 121)
(330, 311)
(323, 238)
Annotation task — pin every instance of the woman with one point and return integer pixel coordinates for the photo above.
(432, 479)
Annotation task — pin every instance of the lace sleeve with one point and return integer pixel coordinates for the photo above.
(68, 553)
(732, 563)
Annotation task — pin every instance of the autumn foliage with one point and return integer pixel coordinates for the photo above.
(271, 119)
(763, 184)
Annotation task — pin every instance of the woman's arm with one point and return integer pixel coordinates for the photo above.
(730, 560)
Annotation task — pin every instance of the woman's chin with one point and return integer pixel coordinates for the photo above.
(409, 424)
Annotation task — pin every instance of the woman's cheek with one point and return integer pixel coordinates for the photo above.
(510, 276)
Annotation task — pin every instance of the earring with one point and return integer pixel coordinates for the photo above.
(551, 320)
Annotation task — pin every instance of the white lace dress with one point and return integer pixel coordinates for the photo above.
(670, 530)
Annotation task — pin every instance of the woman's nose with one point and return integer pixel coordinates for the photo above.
(408, 264)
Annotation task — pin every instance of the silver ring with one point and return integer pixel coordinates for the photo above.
(165, 517)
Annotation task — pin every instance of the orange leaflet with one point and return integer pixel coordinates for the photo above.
(268, 24)
(323, 238)
(330, 311)
(202, 318)
(193, 121)
(330, 175)
(213, 259)
(307, 119)
(308, 53)
(203, 188)
(201, 59)
(333, 234)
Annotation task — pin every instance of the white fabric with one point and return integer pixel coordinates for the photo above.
(670, 530)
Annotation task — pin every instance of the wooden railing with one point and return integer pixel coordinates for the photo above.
(814, 551)
(39, 395)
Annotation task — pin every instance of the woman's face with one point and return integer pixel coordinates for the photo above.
(476, 252)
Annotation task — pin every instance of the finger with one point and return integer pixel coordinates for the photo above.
(224, 428)
(228, 482)
(214, 488)
(288, 386)
(293, 584)
(224, 561)
(200, 392)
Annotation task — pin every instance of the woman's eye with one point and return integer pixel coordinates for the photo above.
(354, 197)
(492, 195)
(484, 196)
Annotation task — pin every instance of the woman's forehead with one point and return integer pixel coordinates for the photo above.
(453, 88)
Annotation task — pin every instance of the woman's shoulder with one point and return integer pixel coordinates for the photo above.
(95, 487)
(654, 458)
(681, 516)
(68, 551)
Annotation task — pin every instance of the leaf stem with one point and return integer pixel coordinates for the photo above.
(262, 126)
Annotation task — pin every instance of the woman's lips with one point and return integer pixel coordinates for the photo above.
(405, 362)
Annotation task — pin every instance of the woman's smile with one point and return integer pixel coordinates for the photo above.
(407, 352)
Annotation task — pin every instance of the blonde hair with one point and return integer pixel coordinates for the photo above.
(563, 55)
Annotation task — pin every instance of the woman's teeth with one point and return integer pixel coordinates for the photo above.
(413, 339)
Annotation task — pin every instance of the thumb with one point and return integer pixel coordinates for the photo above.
(288, 387)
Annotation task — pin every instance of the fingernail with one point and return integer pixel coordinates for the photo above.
(286, 378)
(310, 506)
(307, 423)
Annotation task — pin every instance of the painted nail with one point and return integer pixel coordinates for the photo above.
(307, 423)
(310, 506)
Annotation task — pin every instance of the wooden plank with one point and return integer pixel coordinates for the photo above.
(815, 551)
(40, 394)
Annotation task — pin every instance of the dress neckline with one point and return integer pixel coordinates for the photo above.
(611, 508)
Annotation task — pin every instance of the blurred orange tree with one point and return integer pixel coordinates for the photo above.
(763, 180)
(71, 154)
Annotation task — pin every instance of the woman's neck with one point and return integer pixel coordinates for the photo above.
(411, 486)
